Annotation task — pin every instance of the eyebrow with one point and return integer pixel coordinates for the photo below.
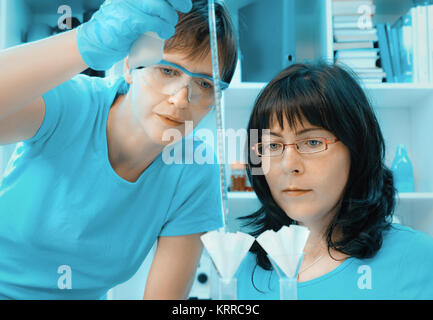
(297, 133)
(308, 130)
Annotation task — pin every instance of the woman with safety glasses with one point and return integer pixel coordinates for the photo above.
(319, 163)
(86, 193)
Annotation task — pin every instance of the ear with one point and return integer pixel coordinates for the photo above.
(126, 71)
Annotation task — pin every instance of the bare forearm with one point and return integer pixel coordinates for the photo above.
(30, 70)
(174, 265)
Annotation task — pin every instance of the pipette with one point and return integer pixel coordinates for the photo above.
(149, 49)
(219, 109)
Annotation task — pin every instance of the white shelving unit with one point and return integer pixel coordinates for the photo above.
(404, 110)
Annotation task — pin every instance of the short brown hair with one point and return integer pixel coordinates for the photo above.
(192, 36)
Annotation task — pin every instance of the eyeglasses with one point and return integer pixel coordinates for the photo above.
(304, 146)
(169, 78)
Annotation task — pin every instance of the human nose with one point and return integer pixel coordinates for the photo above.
(292, 162)
(181, 97)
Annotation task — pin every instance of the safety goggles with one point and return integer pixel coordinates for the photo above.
(169, 78)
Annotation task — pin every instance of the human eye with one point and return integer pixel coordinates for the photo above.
(272, 147)
(314, 142)
(167, 71)
(204, 84)
(311, 144)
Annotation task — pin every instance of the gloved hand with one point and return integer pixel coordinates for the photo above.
(109, 35)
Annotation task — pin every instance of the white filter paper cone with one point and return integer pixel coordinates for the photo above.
(227, 250)
(294, 237)
(285, 247)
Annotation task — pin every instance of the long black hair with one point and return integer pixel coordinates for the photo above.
(330, 97)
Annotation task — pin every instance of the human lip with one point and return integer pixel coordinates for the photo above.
(169, 121)
(295, 192)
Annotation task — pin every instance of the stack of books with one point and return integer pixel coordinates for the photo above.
(356, 38)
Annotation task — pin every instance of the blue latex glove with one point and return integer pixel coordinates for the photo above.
(109, 35)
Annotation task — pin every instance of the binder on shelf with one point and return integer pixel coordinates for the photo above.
(357, 53)
(358, 62)
(421, 44)
(413, 42)
(414, 48)
(351, 22)
(353, 45)
(394, 51)
(350, 35)
(385, 56)
(430, 40)
(345, 25)
(352, 18)
(404, 38)
(369, 81)
(370, 73)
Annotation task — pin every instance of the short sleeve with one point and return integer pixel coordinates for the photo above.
(196, 205)
(415, 272)
(67, 111)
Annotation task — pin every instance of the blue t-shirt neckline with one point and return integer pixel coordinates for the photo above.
(107, 165)
(401, 269)
(329, 274)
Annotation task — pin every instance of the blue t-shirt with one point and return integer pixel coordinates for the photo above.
(71, 228)
(401, 269)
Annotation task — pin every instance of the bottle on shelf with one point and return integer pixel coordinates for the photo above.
(403, 170)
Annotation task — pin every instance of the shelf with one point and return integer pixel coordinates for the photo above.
(241, 195)
(416, 196)
(399, 95)
(248, 85)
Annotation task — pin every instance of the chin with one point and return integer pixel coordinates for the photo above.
(307, 214)
(299, 210)
(163, 135)
(301, 216)
(163, 138)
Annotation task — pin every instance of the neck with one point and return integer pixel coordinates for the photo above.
(129, 148)
(318, 259)
(317, 244)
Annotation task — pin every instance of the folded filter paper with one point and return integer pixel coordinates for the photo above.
(285, 247)
(227, 250)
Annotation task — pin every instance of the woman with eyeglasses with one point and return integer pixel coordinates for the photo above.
(87, 192)
(319, 163)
